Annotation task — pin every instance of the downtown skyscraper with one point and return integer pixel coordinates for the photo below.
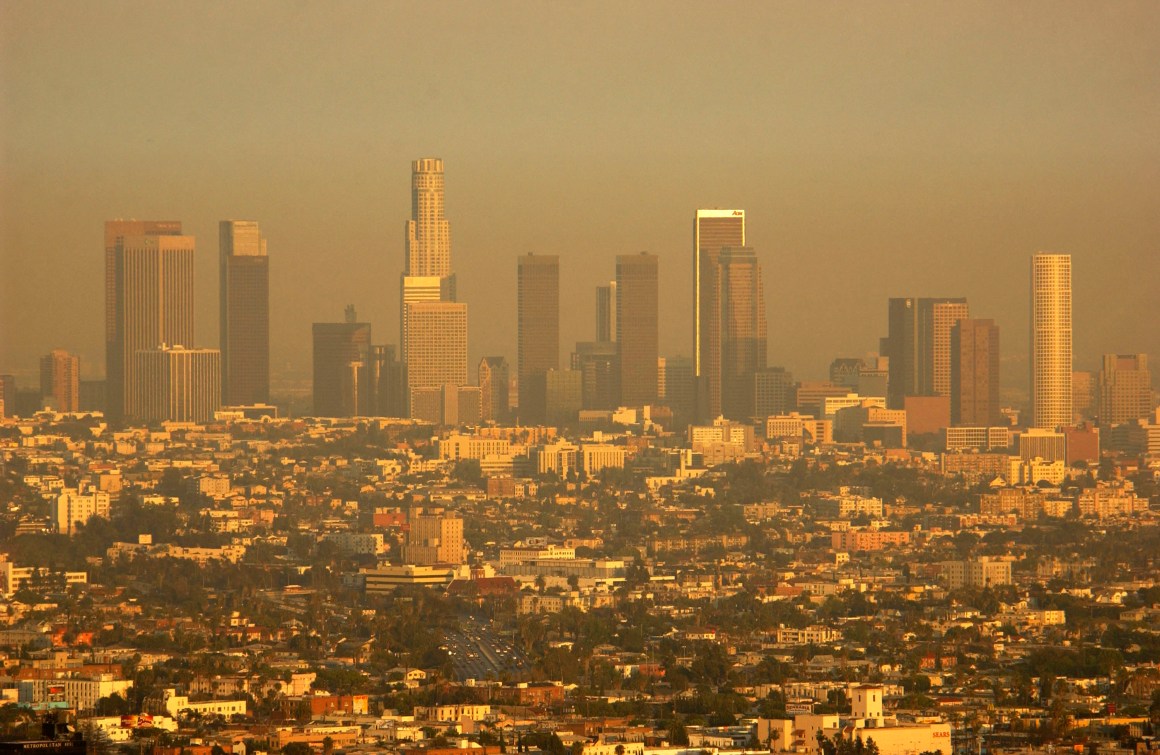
(151, 302)
(1051, 358)
(743, 334)
(713, 230)
(538, 331)
(116, 359)
(919, 346)
(244, 317)
(637, 300)
(433, 324)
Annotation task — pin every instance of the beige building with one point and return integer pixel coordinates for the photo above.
(981, 572)
(1051, 358)
(175, 384)
(435, 537)
(436, 347)
(72, 508)
(128, 284)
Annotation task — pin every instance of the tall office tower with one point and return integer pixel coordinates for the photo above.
(116, 231)
(494, 377)
(975, 373)
(1050, 340)
(900, 347)
(743, 329)
(676, 388)
(433, 327)
(538, 331)
(153, 306)
(60, 380)
(341, 350)
(606, 312)
(427, 258)
(244, 316)
(175, 384)
(596, 361)
(938, 316)
(713, 230)
(437, 345)
(1125, 388)
(636, 327)
(918, 346)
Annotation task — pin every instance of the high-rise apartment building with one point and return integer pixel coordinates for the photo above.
(433, 326)
(73, 508)
(538, 331)
(152, 302)
(713, 230)
(341, 352)
(175, 384)
(1125, 391)
(1051, 358)
(494, 380)
(975, 373)
(60, 381)
(244, 316)
(918, 346)
(743, 329)
(606, 312)
(637, 301)
(116, 231)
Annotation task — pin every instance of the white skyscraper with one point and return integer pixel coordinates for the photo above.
(1051, 363)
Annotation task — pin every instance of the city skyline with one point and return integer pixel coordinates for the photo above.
(824, 201)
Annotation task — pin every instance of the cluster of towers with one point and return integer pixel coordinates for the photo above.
(935, 351)
(153, 371)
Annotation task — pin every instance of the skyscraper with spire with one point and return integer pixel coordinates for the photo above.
(433, 325)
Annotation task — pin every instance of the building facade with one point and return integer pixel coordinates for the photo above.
(175, 384)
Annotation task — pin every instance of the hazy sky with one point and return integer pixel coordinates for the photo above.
(879, 148)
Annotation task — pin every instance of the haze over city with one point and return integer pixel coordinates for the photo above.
(879, 150)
